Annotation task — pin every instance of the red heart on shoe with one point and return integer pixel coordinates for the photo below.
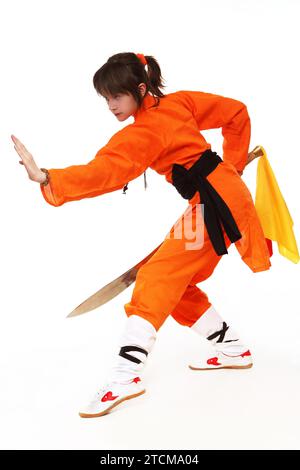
(109, 396)
(213, 361)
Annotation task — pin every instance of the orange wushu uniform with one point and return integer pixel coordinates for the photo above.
(160, 137)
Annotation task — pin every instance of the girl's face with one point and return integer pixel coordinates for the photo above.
(123, 105)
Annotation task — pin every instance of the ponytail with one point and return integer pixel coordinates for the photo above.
(123, 72)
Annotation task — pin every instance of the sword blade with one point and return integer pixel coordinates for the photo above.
(111, 290)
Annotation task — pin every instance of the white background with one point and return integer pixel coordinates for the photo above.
(53, 258)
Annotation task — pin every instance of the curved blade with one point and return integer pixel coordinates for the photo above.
(107, 293)
(111, 290)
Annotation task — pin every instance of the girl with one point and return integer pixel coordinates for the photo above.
(165, 137)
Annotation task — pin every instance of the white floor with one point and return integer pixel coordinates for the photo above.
(48, 373)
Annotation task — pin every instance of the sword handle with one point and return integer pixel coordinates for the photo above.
(258, 151)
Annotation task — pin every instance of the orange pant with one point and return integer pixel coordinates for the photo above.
(165, 285)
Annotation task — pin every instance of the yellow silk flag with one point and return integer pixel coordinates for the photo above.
(273, 213)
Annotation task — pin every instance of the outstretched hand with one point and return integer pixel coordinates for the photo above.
(33, 171)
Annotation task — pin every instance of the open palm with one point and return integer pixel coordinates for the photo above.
(34, 172)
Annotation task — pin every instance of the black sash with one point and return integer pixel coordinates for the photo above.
(187, 182)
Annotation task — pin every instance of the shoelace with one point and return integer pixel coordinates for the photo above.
(104, 388)
(109, 385)
(221, 353)
(100, 391)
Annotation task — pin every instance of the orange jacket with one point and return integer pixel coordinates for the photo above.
(157, 139)
(164, 135)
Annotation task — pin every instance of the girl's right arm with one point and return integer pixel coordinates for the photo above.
(126, 156)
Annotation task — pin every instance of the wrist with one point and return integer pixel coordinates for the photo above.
(44, 177)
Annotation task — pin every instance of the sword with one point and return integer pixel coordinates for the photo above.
(114, 288)
(111, 290)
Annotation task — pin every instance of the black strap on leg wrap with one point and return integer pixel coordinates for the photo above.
(125, 349)
(220, 333)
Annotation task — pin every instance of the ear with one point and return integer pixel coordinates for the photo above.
(142, 87)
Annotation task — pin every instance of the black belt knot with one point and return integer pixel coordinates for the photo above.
(216, 211)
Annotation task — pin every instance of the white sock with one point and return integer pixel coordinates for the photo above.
(139, 333)
(222, 337)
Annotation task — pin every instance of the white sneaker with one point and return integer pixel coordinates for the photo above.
(110, 396)
(224, 361)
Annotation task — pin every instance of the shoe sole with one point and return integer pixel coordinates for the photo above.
(248, 366)
(87, 415)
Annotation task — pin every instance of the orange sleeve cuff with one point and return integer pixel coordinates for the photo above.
(51, 192)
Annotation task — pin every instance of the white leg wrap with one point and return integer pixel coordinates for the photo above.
(139, 333)
(223, 338)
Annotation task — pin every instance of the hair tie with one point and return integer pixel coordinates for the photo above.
(142, 58)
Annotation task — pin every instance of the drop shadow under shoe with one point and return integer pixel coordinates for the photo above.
(111, 395)
(224, 361)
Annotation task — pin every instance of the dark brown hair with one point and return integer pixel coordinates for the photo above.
(122, 73)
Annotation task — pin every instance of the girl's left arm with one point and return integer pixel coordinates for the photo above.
(213, 111)
(125, 157)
